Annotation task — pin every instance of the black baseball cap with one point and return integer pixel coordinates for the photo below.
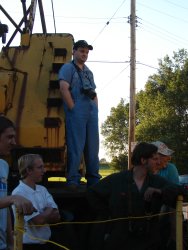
(82, 44)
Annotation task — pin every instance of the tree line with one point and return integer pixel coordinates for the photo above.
(161, 114)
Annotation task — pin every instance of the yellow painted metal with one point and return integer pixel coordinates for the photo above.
(18, 231)
(25, 74)
(6, 89)
(32, 68)
(179, 223)
(25, 39)
(2, 99)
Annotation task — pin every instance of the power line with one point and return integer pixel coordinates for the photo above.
(74, 17)
(103, 87)
(109, 61)
(180, 6)
(161, 12)
(122, 62)
(161, 30)
(147, 65)
(163, 36)
(84, 20)
(107, 23)
(53, 15)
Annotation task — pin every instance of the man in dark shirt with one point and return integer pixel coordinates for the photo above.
(132, 200)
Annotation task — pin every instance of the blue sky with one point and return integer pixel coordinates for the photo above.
(162, 29)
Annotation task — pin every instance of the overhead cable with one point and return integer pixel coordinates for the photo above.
(107, 23)
(53, 16)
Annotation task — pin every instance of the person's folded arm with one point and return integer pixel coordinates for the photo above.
(49, 215)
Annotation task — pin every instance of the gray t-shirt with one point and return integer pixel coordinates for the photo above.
(3, 193)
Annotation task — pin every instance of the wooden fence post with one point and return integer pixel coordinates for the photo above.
(179, 223)
(18, 231)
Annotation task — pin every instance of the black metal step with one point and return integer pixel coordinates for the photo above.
(52, 122)
(60, 52)
(54, 84)
(56, 67)
(54, 102)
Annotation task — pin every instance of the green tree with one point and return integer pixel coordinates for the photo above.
(115, 131)
(163, 107)
(103, 161)
(119, 162)
(161, 113)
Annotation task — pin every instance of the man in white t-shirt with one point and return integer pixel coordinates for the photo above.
(31, 169)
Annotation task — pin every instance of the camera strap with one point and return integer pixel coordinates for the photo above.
(86, 76)
(78, 71)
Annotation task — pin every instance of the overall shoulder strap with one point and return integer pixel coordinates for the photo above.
(73, 72)
(78, 70)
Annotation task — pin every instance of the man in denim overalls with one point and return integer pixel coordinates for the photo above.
(81, 110)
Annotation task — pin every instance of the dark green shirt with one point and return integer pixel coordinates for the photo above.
(117, 196)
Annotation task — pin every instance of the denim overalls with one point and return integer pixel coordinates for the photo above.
(82, 133)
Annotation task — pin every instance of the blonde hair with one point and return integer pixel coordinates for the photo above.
(26, 162)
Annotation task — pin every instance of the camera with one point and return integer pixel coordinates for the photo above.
(90, 93)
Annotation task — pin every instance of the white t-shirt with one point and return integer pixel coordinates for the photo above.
(40, 199)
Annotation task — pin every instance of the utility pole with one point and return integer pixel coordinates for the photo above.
(132, 103)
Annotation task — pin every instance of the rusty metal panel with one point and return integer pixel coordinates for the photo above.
(29, 92)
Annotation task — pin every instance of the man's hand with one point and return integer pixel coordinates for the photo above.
(149, 193)
(23, 205)
(96, 100)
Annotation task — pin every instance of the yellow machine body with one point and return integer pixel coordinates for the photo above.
(30, 96)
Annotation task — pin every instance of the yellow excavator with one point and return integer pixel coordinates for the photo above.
(29, 89)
